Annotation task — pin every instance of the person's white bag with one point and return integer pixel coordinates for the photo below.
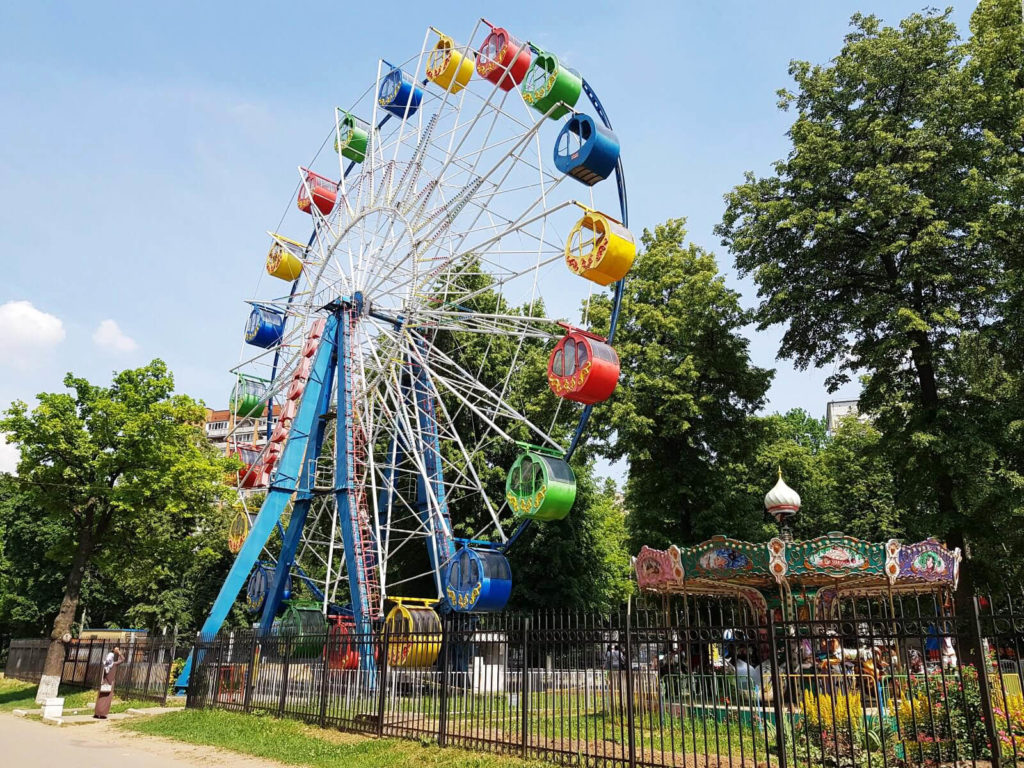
(106, 688)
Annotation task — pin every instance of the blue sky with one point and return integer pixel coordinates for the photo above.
(146, 148)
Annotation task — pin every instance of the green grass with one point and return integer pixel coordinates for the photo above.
(15, 694)
(294, 743)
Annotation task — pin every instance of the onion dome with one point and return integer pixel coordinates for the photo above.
(782, 502)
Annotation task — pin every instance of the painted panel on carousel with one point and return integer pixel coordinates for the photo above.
(284, 260)
(929, 561)
(583, 367)
(478, 581)
(836, 555)
(449, 67)
(550, 84)
(353, 138)
(659, 570)
(600, 249)
(317, 190)
(540, 485)
(264, 328)
(721, 556)
(399, 94)
(586, 150)
(503, 59)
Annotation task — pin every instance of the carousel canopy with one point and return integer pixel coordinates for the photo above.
(835, 561)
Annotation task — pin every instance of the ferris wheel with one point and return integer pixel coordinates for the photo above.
(420, 362)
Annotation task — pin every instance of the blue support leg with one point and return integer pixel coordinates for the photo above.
(281, 489)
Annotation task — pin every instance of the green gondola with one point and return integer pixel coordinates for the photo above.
(540, 485)
(352, 140)
(304, 621)
(549, 83)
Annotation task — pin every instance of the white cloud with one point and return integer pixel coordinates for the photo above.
(9, 456)
(108, 335)
(26, 333)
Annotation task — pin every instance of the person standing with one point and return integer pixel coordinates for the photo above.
(106, 694)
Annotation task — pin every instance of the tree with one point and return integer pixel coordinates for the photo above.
(105, 467)
(871, 243)
(580, 562)
(682, 413)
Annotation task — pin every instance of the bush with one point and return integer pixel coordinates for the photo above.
(940, 717)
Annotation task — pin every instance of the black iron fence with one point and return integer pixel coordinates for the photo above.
(895, 682)
(144, 674)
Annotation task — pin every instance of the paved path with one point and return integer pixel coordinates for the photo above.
(31, 744)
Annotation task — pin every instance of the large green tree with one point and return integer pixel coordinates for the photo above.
(115, 475)
(682, 413)
(872, 242)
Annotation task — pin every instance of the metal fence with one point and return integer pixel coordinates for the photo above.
(25, 658)
(691, 682)
(144, 674)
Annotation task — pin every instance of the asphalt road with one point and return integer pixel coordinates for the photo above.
(31, 744)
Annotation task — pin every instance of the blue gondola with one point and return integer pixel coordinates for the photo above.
(586, 150)
(259, 584)
(265, 327)
(398, 92)
(478, 580)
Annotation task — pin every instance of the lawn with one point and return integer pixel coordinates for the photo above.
(15, 694)
(294, 743)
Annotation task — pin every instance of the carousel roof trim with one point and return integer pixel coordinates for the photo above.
(723, 565)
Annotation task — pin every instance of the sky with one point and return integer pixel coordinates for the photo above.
(146, 148)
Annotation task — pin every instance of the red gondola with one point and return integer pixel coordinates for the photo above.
(503, 60)
(341, 647)
(583, 367)
(251, 474)
(322, 191)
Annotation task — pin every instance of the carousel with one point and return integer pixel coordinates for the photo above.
(799, 580)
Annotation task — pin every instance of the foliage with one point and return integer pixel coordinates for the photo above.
(940, 716)
(1009, 718)
(682, 413)
(580, 562)
(117, 488)
(884, 240)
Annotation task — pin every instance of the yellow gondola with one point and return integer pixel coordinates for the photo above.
(448, 67)
(605, 253)
(414, 633)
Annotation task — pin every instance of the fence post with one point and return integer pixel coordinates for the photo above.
(630, 716)
(149, 671)
(193, 684)
(776, 669)
(985, 687)
(284, 674)
(324, 678)
(103, 656)
(247, 696)
(446, 639)
(382, 679)
(524, 690)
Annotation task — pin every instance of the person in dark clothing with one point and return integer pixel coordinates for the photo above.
(106, 695)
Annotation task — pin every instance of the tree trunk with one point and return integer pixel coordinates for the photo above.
(49, 683)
